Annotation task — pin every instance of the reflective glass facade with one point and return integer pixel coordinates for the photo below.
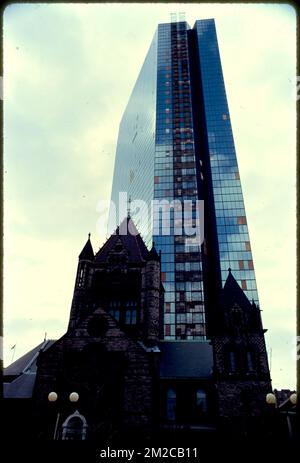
(175, 143)
(231, 223)
(175, 179)
(134, 162)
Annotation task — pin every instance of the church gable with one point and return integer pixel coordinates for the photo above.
(99, 328)
(118, 254)
(112, 373)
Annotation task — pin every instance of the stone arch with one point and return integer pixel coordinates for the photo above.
(74, 427)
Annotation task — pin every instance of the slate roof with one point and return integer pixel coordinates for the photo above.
(152, 254)
(178, 360)
(27, 361)
(24, 370)
(132, 242)
(20, 388)
(185, 359)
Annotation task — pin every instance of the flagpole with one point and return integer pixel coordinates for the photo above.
(13, 354)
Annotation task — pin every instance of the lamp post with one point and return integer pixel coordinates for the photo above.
(272, 401)
(52, 398)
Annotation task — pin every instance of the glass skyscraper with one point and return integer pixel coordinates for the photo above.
(175, 143)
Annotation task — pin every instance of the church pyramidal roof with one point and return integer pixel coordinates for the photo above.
(232, 296)
(232, 293)
(129, 238)
(87, 252)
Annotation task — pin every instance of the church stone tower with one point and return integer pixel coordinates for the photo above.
(109, 354)
(85, 260)
(124, 278)
(151, 295)
(241, 371)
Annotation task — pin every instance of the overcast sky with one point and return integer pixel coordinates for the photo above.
(68, 73)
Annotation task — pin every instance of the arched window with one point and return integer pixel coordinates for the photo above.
(201, 401)
(74, 427)
(125, 312)
(236, 316)
(131, 313)
(250, 360)
(80, 277)
(131, 316)
(171, 404)
(118, 247)
(114, 309)
(232, 364)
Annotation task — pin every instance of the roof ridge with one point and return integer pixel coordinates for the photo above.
(135, 237)
(106, 242)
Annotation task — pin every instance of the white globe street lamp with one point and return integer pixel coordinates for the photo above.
(271, 399)
(74, 397)
(52, 396)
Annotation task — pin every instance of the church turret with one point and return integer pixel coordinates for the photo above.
(79, 302)
(241, 370)
(87, 252)
(84, 259)
(152, 297)
(153, 255)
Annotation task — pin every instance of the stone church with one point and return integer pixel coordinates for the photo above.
(112, 377)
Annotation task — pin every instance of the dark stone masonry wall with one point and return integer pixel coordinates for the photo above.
(114, 376)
